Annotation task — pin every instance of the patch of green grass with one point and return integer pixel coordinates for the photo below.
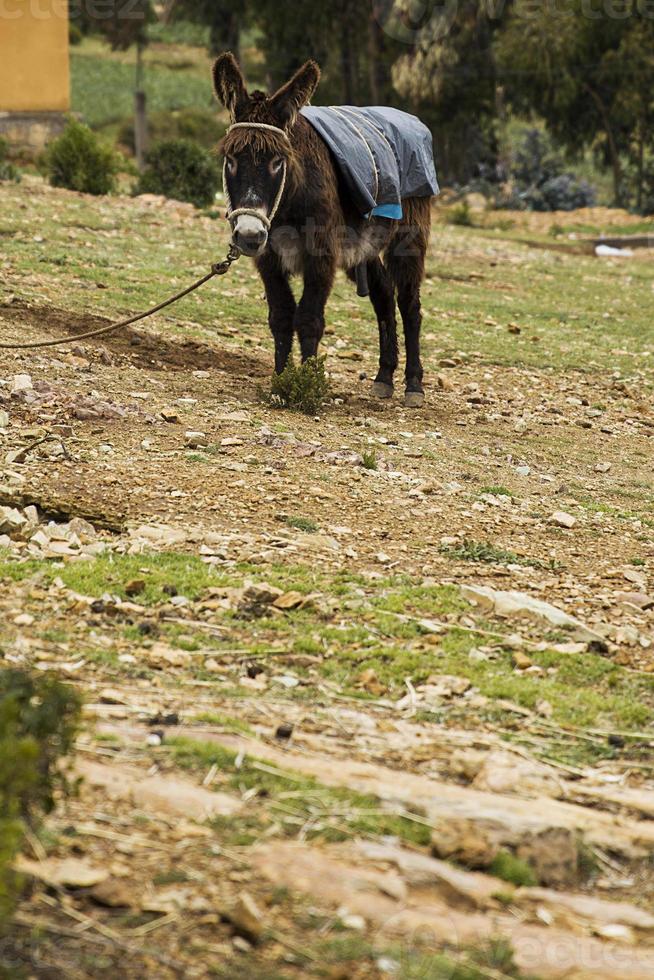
(497, 491)
(585, 690)
(112, 572)
(187, 574)
(305, 388)
(620, 513)
(107, 738)
(301, 523)
(17, 571)
(247, 966)
(335, 813)
(510, 868)
(219, 720)
(102, 88)
(488, 961)
(247, 830)
(537, 288)
(109, 658)
(375, 626)
(172, 877)
(55, 636)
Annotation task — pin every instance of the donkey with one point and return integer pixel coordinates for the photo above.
(289, 211)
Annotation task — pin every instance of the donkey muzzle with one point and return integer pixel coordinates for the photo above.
(250, 235)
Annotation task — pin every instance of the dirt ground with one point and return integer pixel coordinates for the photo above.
(367, 694)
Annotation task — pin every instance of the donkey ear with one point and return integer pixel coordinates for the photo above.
(290, 98)
(229, 84)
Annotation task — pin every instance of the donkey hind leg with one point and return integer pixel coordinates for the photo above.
(405, 261)
(408, 299)
(281, 307)
(382, 297)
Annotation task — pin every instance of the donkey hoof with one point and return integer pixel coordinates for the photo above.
(381, 389)
(414, 399)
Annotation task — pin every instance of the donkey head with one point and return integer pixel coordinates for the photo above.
(258, 160)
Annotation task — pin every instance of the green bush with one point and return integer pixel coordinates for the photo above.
(193, 123)
(182, 170)
(38, 722)
(75, 35)
(512, 869)
(7, 170)
(539, 179)
(78, 161)
(460, 214)
(304, 388)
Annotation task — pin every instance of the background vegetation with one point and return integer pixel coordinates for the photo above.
(470, 69)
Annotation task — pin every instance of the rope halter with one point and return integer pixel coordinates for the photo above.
(234, 213)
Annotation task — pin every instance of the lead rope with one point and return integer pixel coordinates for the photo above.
(219, 269)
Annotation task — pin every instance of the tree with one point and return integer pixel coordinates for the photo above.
(589, 77)
(224, 18)
(290, 33)
(448, 74)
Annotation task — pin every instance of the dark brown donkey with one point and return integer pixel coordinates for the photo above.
(290, 211)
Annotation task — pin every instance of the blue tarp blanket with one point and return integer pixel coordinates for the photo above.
(383, 154)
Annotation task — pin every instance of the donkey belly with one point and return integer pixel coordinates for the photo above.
(364, 242)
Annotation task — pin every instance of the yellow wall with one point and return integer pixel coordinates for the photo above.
(34, 67)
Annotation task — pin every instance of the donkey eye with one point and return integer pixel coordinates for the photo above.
(276, 164)
(232, 165)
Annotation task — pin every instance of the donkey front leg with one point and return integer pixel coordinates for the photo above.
(310, 313)
(281, 307)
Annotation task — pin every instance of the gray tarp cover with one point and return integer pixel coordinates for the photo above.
(384, 154)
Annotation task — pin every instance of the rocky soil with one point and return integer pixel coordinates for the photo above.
(367, 694)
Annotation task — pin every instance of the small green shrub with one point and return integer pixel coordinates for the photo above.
(192, 123)
(460, 214)
(512, 869)
(38, 721)
(183, 170)
(485, 551)
(79, 161)
(369, 459)
(303, 388)
(301, 524)
(75, 35)
(7, 170)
